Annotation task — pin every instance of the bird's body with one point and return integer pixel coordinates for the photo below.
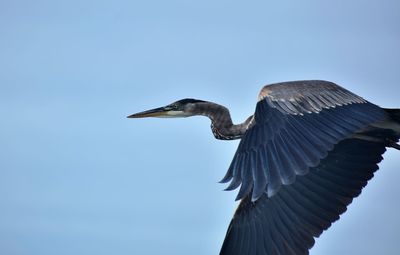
(308, 150)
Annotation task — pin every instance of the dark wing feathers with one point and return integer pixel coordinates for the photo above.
(295, 125)
(288, 222)
(302, 136)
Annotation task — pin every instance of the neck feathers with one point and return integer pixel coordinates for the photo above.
(221, 121)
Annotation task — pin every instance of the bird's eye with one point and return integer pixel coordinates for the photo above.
(172, 107)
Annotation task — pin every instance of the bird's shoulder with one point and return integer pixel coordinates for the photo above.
(307, 96)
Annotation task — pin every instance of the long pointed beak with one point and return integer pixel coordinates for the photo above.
(157, 112)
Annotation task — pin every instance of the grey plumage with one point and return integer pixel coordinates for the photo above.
(308, 150)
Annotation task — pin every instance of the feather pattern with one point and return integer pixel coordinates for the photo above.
(288, 222)
(301, 97)
(295, 125)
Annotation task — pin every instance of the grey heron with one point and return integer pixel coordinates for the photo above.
(308, 150)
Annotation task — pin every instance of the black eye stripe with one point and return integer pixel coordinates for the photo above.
(189, 100)
(181, 103)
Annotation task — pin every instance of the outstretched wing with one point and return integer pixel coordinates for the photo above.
(287, 223)
(296, 124)
(300, 164)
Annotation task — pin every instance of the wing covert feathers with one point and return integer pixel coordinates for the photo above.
(310, 150)
(301, 97)
(280, 145)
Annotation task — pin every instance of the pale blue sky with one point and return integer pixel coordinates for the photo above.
(77, 177)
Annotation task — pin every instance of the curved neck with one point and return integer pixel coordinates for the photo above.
(221, 121)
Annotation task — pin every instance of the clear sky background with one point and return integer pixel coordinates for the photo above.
(77, 177)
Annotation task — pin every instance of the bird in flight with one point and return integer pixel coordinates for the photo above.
(308, 150)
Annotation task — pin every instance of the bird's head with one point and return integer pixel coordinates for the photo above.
(182, 108)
